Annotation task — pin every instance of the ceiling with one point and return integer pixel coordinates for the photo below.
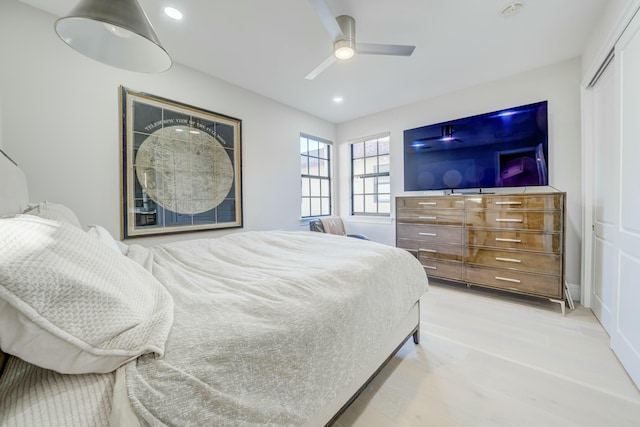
(269, 46)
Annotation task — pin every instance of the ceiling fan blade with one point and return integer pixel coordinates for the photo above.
(327, 18)
(320, 68)
(384, 49)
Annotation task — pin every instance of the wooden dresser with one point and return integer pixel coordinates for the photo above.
(513, 242)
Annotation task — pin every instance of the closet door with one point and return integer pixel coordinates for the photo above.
(625, 335)
(606, 188)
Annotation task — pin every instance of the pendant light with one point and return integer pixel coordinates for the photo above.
(116, 33)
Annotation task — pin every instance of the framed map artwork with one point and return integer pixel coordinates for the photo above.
(181, 167)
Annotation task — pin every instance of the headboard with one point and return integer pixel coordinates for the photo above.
(14, 194)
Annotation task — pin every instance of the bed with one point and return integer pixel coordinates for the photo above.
(269, 328)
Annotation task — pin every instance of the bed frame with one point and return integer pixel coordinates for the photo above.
(14, 197)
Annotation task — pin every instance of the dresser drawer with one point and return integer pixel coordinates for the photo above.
(534, 241)
(509, 219)
(430, 233)
(433, 216)
(529, 283)
(419, 245)
(439, 202)
(500, 202)
(534, 262)
(442, 252)
(442, 269)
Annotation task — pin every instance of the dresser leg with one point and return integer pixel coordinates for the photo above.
(561, 302)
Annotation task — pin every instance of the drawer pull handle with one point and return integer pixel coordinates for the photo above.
(431, 251)
(428, 217)
(508, 203)
(501, 239)
(430, 267)
(508, 259)
(508, 220)
(427, 203)
(506, 279)
(428, 234)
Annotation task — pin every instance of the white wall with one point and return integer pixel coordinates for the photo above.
(559, 84)
(60, 123)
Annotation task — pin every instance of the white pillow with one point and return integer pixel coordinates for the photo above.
(54, 211)
(100, 233)
(69, 303)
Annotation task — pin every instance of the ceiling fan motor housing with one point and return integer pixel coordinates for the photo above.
(345, 46)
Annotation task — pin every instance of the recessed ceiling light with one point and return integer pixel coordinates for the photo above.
(338, 99)
(173, 13)
(511, 8)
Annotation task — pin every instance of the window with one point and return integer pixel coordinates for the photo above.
(370, 185)
(315, 171)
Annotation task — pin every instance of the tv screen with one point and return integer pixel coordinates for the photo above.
(506, 148)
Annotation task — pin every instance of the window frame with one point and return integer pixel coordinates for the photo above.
(319, 177)
(371, 175)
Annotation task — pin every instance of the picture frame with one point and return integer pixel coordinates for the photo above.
(181, 168)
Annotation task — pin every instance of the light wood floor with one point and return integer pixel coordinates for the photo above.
(486, 359)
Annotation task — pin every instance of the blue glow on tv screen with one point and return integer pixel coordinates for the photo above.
(506, 148)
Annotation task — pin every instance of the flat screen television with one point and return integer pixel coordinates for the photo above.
(506, 148)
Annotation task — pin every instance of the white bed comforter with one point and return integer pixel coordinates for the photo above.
(268, 325)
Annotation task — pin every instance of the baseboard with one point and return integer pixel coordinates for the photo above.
(574, 289)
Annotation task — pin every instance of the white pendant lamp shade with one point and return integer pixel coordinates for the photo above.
(114, 32)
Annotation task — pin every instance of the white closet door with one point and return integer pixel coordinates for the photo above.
(625, 335)
(606, 188)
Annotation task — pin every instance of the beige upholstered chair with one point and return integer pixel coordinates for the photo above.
(332, 225)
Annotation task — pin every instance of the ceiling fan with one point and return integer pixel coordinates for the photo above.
(342, 30)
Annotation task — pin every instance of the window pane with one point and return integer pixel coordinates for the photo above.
(383, 145)
(358, 167)
(371, 148)
(306, 207)
(304, 149)
(326, 206)
(323, 152)
(315, 187)
(315, 207)
(313, 148)
(369, 185)
(358, 150)
(324, 188)
(313, 166)
(384, 207)
(383, 164)
(323, 168)
(358, 203)
(305, 187)
(383, 185)
(371, 165)
(370, 205)
(304, 165)
(358, 185)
